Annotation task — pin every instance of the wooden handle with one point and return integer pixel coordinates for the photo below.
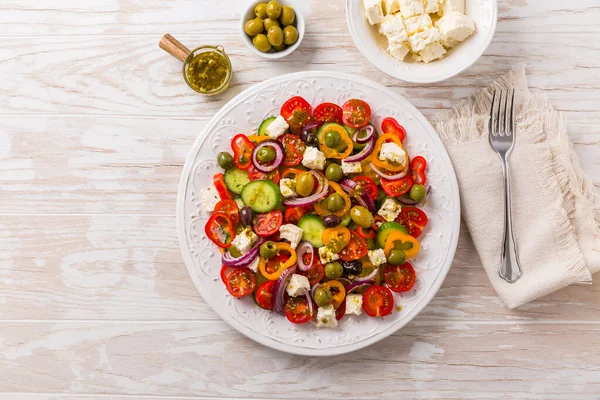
(174, 47)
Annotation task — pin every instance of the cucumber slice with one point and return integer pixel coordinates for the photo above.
(385, 229)
(236, 179)
(312, 228)
(346, 220)
(262, 129)
(261, 196)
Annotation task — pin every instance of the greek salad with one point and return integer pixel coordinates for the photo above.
(317, 213)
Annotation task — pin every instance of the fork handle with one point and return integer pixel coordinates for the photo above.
(510, 269)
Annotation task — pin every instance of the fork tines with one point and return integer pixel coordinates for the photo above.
(502, 118)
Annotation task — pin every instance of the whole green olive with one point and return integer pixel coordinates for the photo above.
(418, 193)
(290, 35)
(268, 249)
(275, 36)
(361, 216)
(234, 252)
(261, 43)
(334, 172)
(273, 9)
(332, 139)
(225, 160)
(261, 11)
(281, 47)
(268, 23)
(253, 27)
(334, 270)
(323, 297)
(305, 183)
(288, 16)
(342, 147)
(334, 202)
(397, 257)
(266, 154)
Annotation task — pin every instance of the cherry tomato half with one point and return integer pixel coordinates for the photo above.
(356, 248)
(378, 301)
(328, 112)
(255, 175)
(268, 223)
(264, 295)
(220, 229)
(297, 112)
(219, 182)
(293, 147)
(293, 214)
(230, 208)
(340, 311)
(297, 310)
(356, 113)
(417, 167)
(241, 282)
(400, 278)
(242, 151)
(390, 125)
(368, 185)
(413, 219)
(396, 187)
(316, 273)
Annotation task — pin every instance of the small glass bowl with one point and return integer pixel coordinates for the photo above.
(203, 49)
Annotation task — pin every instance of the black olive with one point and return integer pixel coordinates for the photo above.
(352, 267)
(246, 215)
(331, 221)
(309, 135)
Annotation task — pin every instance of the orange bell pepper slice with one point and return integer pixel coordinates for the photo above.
(338, 292)
(334, 153)
(262, 264)
(385, 164)
(336, 238)
(367, 233)
(321, 209)
(291, 172)
(403, 238)
(257, 139)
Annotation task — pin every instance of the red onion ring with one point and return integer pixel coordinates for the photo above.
(244, 260)
(368, 277)
(356, 285)
(362, 140)
(311, 308)
(301, 250)
(313, 289)
(319, 193)
(280, 286)
(393, 177)
(363, 198)
(279, 156)
(364, 153)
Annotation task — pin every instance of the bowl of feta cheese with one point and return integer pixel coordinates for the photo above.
(422, 41)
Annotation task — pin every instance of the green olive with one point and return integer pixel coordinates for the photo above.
(418, 193)
(342, 147)
(305, 183)
(266, 154)
(268, 23)
(281, 47)
(261, 43)
(397, 257)
(273, 9)
(334, 172)
(323, 297)
(225, 160)
(288, 16)
(361, 216)
(290, 35)
(253, 27)
(334, 270)
(275, 36)
(261, 11)
(335, 202)
(332, 139)
(268, 249)
(234, 252)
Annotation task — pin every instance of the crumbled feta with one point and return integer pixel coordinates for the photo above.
(287, 187)
(392, 27)
(431, 52)
(408, 8)
(245, 240)
(432, 6)
(418, 23)
(377, 257)
(292, 233)
(373, 11)
(453, 5)
(277, 127)
(313, 158)
(351, 167)
(326, 317)
(454, 28)
(239, 203)
(254, 265)
(210, 198)
(297, 285)
(327, 255)
(391, 6)
(421, 39)
(389, 209)
(398, 50)
(354, 304)
(392, 152)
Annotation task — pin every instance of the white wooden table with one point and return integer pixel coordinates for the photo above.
(95, 302)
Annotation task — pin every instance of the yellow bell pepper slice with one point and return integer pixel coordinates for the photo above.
(257, 139)
(338, 293)
(334, 153)
(393, 167)
(262, 264)
(321, 209)
(402, 237)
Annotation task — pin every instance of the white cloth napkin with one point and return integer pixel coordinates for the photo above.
(556, 211)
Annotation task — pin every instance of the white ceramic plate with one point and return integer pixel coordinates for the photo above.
(373, 45)
(243, 114)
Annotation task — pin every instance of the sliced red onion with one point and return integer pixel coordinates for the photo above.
(303, 248)
(356, 285)
(244, 260)
(311, 128)
(311, 309)
(279, 156)
(348, 185)
(319, 193)
(391, 177)
(280, 287)
(410, 202)
(362, 140)
(364, 153)
(368, 277)
(314, 288)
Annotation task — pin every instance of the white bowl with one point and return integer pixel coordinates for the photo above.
(373, 45)
(273, 55)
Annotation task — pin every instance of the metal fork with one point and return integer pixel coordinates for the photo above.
(502, 140)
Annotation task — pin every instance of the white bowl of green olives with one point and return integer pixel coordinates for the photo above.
(272, 29)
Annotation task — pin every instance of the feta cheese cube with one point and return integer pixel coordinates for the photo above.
(297, 285)
(277, 127)
(453, 5)
(389, 209)
(391, 6)
(392, 152)
(292, 233)
(313, 158)
(373, 11)
(418, 23)
(326, 317)
(245, 240)
(431, 52)
(398, 50)
(377, 257)
(210, 198)
(354, 304)
(432, 6)
(408, 8)
(287, 187)
(254, 265)
(393, 28)
(454, 28)
(327, 255)
(351, 167)
(421, 39)
(239, 203)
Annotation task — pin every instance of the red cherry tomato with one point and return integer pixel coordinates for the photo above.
(396, 187)
(328, 112)
(316, 273)
(417, 167)
(297, 112)
(297, 310)
(255, 175)
(341, 310)
(356, 113)
(268, 223)
(378, 301)
(293, 214)
(413, 219)
(390, 125)
(230, 208)
(220, 229)
(264, 295)
(355, 249)
(368, 185)
(242, 151)
(293, 147)
(241, 282)
(400, 278)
